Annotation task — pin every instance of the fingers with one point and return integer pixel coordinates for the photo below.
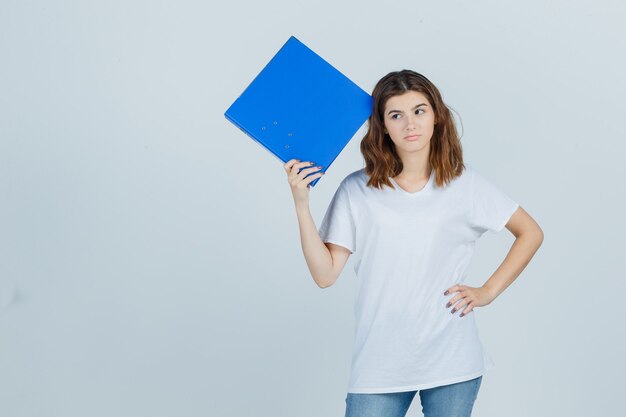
(469, 308)
(460, 305)
(294, 165)
(307, 171)
(293, 169)
(452, 289)
(299, 179)
(456, 297)
(289, 164)
(462, 295)
(300, 175)
(312, 178)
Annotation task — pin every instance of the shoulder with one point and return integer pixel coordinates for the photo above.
(460, 181)
(467, 177)
(487, 186)
(475, 176)
(354, 179)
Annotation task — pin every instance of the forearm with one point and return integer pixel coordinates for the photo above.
(317, 255)
(520, 254)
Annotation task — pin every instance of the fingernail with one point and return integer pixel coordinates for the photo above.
(448, 305)
(461, 315)
(453, 310)
(445, 293)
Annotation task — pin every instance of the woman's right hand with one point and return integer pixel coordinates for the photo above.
(300, 185)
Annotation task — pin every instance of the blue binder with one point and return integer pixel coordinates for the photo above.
(299, 106)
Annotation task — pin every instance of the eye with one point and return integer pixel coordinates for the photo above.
(393, 117)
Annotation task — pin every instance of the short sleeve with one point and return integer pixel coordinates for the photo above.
(491, 207)
(338, 224)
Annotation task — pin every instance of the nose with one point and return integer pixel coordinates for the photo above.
(411, 122)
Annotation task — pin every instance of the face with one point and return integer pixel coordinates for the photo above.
(406, 115)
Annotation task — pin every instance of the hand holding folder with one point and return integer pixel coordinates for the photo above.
(299, 106)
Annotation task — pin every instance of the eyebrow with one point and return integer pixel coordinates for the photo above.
(400, 111)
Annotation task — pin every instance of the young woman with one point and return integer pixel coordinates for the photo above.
(411, 217)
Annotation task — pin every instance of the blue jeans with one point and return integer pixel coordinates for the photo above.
(454, 400)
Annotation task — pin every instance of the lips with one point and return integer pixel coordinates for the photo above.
(412, 137)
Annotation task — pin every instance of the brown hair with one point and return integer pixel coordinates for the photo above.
(381, 158)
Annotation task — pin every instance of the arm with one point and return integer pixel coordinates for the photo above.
(528, 239)
(325, 260)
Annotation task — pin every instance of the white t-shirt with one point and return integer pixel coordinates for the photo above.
(408, 248)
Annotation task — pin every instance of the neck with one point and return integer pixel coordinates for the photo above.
(415, 166)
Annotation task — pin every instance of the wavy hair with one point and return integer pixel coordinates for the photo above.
(379, 151)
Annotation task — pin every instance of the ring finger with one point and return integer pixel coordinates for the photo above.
(462, 302)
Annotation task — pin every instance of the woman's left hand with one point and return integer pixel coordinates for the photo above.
(470, 297)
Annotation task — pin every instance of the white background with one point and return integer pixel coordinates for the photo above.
(150, 259)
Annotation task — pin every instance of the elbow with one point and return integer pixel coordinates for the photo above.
(532, 236)
(324, 283)
(537, 236)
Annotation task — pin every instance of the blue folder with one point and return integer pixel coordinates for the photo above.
(299, 106)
